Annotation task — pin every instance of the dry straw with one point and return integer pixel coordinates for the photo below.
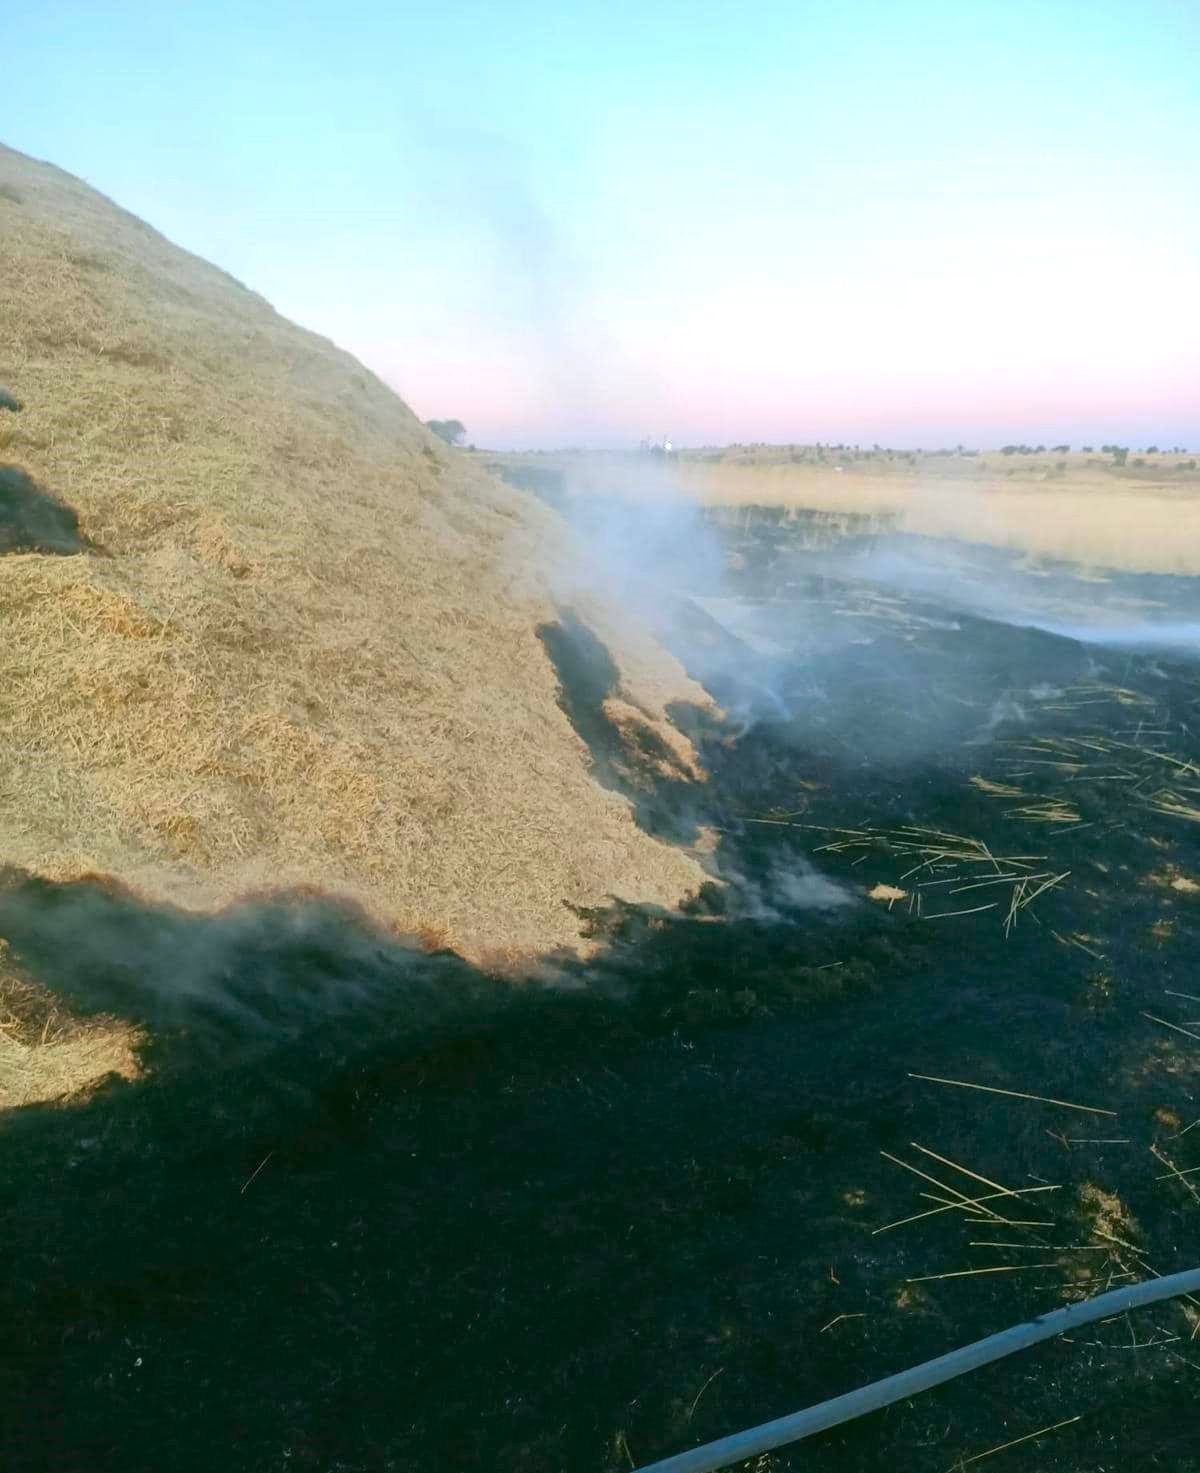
(308, 651)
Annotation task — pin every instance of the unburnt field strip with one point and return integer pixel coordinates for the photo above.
(371, 1208)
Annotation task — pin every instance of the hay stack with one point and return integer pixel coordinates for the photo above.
(302, 649)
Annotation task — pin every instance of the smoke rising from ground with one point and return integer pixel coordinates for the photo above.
(879, 649)
(637, 538)
(848, 637)
(249, 978)
(1101, 607)
(789, 888)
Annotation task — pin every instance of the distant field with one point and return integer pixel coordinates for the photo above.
(1140, 518)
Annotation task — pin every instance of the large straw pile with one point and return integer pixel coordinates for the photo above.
(304, 648)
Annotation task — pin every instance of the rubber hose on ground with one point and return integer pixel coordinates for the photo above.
(726, 1450)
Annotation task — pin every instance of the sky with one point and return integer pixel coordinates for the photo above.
(911, 222)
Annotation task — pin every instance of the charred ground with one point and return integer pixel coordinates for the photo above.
(372, 1209)
(32, 520)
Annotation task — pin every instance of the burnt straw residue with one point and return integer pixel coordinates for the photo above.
(33, 520)
(636, 765)
(372, 1208)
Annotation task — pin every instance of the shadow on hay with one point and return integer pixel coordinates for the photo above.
(32, 520)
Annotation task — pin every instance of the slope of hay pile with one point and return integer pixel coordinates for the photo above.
(300, 646)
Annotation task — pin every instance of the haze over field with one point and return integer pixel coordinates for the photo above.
(1081, 508)
(919, 223)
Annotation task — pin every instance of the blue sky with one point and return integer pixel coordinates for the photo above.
(919, 223)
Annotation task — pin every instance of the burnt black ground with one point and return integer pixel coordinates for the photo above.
(601, 1215)
(32, 520)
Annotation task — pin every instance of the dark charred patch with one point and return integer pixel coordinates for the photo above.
(548, 483)
(33, 520)
(630, 763)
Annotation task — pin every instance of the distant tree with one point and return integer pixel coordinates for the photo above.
(1151, 449)
(1061, 449)
(1120, 454)
(450, 430)
(1138, 461)
(1087, 449)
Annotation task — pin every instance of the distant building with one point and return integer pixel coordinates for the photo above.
(656, 447)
